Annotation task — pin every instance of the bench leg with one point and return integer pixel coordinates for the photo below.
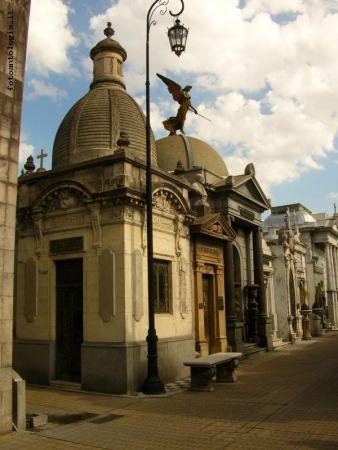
(201, 378)
(226, 372)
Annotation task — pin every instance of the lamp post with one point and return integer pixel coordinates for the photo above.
(177, 36)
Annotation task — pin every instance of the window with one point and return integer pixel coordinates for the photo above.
(161, 281)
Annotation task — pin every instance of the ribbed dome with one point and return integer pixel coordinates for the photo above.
(92, 127)
(191, 152)
(94, 124)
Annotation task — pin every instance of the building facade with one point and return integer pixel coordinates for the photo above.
(305, 267)
(82, 301)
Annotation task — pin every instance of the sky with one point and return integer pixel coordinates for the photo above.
(264, 72)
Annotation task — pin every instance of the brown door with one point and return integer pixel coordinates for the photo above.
(207, 301)
(69, 319)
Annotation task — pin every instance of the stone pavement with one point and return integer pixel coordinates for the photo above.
(286, 399)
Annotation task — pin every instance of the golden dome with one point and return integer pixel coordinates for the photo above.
(191, 152)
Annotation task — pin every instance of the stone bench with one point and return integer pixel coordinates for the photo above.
(203, 369)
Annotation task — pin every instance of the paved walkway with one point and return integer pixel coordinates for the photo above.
(286, 399)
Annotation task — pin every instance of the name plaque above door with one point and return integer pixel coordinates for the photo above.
(66, 245)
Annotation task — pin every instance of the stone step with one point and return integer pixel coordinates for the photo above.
(277, 343)
(66, 385)
(252, 349)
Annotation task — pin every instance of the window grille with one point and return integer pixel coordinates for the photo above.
(161, 281)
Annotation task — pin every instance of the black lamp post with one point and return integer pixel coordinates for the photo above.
(177, 37)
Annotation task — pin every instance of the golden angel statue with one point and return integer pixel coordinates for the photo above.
(184, 99)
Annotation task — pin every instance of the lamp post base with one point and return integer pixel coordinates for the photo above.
(153, 386)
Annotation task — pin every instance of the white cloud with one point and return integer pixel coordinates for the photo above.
(25, 150)
(43, 89)
(49, 38)
(270, 88)
(333, 195)
(252, 7)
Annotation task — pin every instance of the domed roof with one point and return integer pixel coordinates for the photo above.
(191, 152)
(298, 215)
(92, 127)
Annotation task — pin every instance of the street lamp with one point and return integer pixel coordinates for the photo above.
(177, 37)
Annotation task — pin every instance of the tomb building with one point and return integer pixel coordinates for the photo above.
(82, 303)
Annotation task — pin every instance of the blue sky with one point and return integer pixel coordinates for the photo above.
(263, 71)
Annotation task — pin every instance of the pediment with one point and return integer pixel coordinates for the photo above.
(247, 186)
(215, 226)
(251, 189)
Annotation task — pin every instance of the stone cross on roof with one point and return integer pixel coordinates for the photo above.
(41, 156)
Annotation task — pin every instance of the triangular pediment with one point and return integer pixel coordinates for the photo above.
(213, 225)
(250, 188)
(247, 186)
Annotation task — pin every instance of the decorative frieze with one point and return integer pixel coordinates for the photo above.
(163, 223)
(65, 222)
(246, 213)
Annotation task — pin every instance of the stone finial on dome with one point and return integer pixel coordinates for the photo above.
(109, 32)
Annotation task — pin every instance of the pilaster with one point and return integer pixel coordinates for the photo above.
(234, 327)
(264, 323)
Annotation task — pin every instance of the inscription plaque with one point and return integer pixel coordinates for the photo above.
(66, 245)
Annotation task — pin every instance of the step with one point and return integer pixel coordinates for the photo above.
(252, 349)
(67, 385)
(278, 343)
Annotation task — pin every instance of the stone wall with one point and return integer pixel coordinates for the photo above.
(14, 15)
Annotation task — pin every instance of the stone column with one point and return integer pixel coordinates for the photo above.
(220, 331)
(264, 323)
(234, 326)
(201, 343)
(334, 267)
(13, 38)
(331, 307)
(335, 263)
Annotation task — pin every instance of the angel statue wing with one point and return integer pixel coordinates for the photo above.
(173, 87)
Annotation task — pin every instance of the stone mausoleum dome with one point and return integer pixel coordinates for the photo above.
(191, 152)
(93, 125)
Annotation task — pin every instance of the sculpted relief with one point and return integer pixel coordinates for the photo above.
(62, 199)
